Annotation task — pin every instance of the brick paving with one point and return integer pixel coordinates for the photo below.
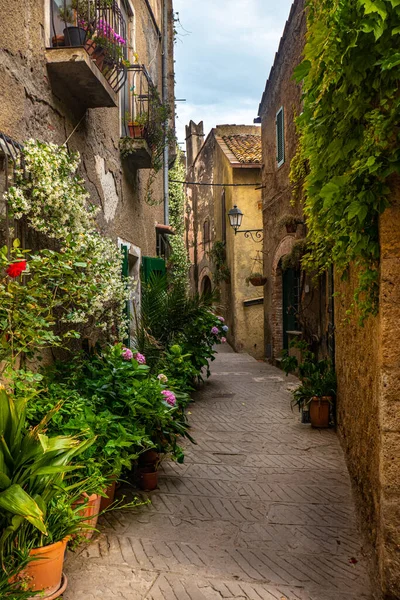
(261, 509)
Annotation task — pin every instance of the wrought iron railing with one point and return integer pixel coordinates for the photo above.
(99, 27)
(136, 102)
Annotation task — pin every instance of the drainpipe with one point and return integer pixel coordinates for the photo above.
(165, 100)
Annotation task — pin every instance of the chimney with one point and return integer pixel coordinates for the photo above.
(194, 141)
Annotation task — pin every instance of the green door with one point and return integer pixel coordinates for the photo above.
(152, 265)
(290, 304)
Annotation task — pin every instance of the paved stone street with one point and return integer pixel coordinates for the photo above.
(261, 509)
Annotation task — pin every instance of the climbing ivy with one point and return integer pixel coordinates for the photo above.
(349, 134)
(179, 261)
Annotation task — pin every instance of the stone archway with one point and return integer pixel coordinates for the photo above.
(276, 316)
(205, 281)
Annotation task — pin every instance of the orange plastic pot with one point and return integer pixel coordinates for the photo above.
(90, 511)
(319, 412)
(44, 573)
(110, 493)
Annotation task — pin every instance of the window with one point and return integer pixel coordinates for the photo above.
(280, 137)
(206, 235)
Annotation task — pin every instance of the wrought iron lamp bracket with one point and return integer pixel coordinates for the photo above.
(255, 234)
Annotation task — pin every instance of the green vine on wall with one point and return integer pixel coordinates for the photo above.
(178, 261)
(349, 134)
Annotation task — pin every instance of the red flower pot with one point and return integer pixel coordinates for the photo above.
(110, 493)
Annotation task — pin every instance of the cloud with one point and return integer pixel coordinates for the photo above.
(223, 64)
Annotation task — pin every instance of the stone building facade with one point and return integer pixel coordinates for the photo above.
(294, 304)
(367, 358)
(230, 155)
(61, 95)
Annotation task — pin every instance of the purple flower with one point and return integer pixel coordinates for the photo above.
(127, 354)
(169, 397)
(221, 319)
(215, 330)
(223, 340)
(225, 328)
(140, 358)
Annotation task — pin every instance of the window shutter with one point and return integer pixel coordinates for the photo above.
(280, 137)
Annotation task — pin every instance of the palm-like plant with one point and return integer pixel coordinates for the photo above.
(32, 471)
(165, 313)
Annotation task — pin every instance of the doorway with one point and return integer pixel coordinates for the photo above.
(290, 303)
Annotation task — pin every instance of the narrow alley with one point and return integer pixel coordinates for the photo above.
(261, 508)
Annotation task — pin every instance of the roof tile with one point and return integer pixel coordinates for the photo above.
(245, 147)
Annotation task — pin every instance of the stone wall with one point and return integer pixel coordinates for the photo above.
(282, 91)
(368, 370)
(30, 109)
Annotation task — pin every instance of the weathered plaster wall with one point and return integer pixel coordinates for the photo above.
(29, 109)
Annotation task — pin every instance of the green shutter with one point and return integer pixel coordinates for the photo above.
(280, 137)
(150, 265)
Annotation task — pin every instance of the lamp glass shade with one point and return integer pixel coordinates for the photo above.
(235, 217)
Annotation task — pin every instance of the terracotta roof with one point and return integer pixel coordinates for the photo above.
(246, 148)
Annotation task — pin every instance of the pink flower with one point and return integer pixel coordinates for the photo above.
(162, 378)
(140, 358)
(127, 354)
(221, 319)
(215, 330)
(169, 397)
(223, 340)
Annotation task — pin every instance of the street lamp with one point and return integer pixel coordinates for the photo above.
(235, 219)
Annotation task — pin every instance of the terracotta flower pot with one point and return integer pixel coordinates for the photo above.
(44, 573)
(110, 493)
(258, 281)
(319, 412)
(148, 479)
(149, 458)
(90, 511)
(136, 131)
(58, 41)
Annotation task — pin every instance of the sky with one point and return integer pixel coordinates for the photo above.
(223, 55)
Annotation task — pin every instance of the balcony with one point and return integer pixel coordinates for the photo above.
(144, 120)
(87, 58)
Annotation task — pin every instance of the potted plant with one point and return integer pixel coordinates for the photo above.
(317, 389)
(137, 124)
(290, 222)
(256, 279)
(75, 31)
(36, 512)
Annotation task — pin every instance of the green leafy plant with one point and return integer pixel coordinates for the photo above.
(217, 255)
(32, 474)
(349, 135)
(178, 261)
(293, 260)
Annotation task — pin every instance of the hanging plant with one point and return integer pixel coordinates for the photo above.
(256, 279)
(293, 260)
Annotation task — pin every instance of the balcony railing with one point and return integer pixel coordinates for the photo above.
(97, 26)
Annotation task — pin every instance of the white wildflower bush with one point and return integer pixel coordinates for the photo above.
(83, 276)
(179, 260)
